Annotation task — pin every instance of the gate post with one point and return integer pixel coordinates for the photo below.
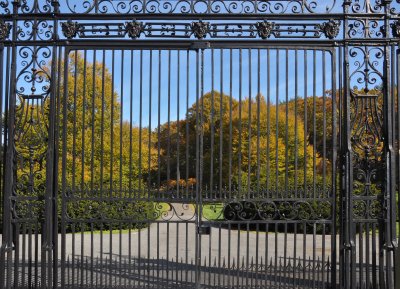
(8, 234)
(347, 242)
(49, 242)
(388, 239)
(388, 244)
(388, 202)
(396, 91)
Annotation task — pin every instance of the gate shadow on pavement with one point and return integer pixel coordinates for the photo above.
(124, 272)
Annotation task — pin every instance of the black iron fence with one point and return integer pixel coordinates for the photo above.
(199, 144)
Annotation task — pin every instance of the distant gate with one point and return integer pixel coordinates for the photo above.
(199, 144)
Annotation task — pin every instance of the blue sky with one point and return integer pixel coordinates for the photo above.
(130, 80)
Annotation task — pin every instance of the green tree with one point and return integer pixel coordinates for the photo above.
(99, 151)
(251, 144)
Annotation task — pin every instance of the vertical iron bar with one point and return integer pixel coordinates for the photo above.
(92, 123)
(286, 124)
(211, 177)
(258, 123)
(268, 64)
(64, 163)
(197, 242)
(277, 94)
(169, 127)
(149, 193)
(230, 122)
(159, 125)
(132, 63)
(240, 126)
(249, 158)
(314, 128)
(296, 142)
(333, 196)
(56, 195)
(201, 155)
(305, 124)
(121, 121)
(221, 114)
(178, 133)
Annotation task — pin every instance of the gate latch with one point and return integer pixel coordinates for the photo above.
(204, 230)
(200, 45)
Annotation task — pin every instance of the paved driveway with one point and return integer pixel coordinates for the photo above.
(166, 250)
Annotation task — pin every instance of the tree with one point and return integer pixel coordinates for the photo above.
(99, 151)
(248, 145)
(102, 149)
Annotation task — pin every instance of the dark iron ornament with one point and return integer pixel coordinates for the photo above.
(5, 29)
(264, 29)
(70, 29)
(134, 29)
(200, 29)
(396, 28)
(330, 29)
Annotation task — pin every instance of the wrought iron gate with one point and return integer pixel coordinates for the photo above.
(199, 143)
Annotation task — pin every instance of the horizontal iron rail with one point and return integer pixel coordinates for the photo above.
(191, 16)
(197, 44)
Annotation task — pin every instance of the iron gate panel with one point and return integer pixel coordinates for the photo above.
(152, 213)
(261, 218)
(199, 144)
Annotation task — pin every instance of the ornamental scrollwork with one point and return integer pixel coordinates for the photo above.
(27, 6)
(200, 29)
(5, 6)
(127, 210)
(32, 110)
(365, 6)
(134, 29)
(28, 209)
(204, 7)
(365, 28)
(264, 29)
(35, 30)
(249, 210)
(70, 29)
(366, 114)
(330, 29)
(5, 29)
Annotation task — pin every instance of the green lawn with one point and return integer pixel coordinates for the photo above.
(213, 212)
(107, 232)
